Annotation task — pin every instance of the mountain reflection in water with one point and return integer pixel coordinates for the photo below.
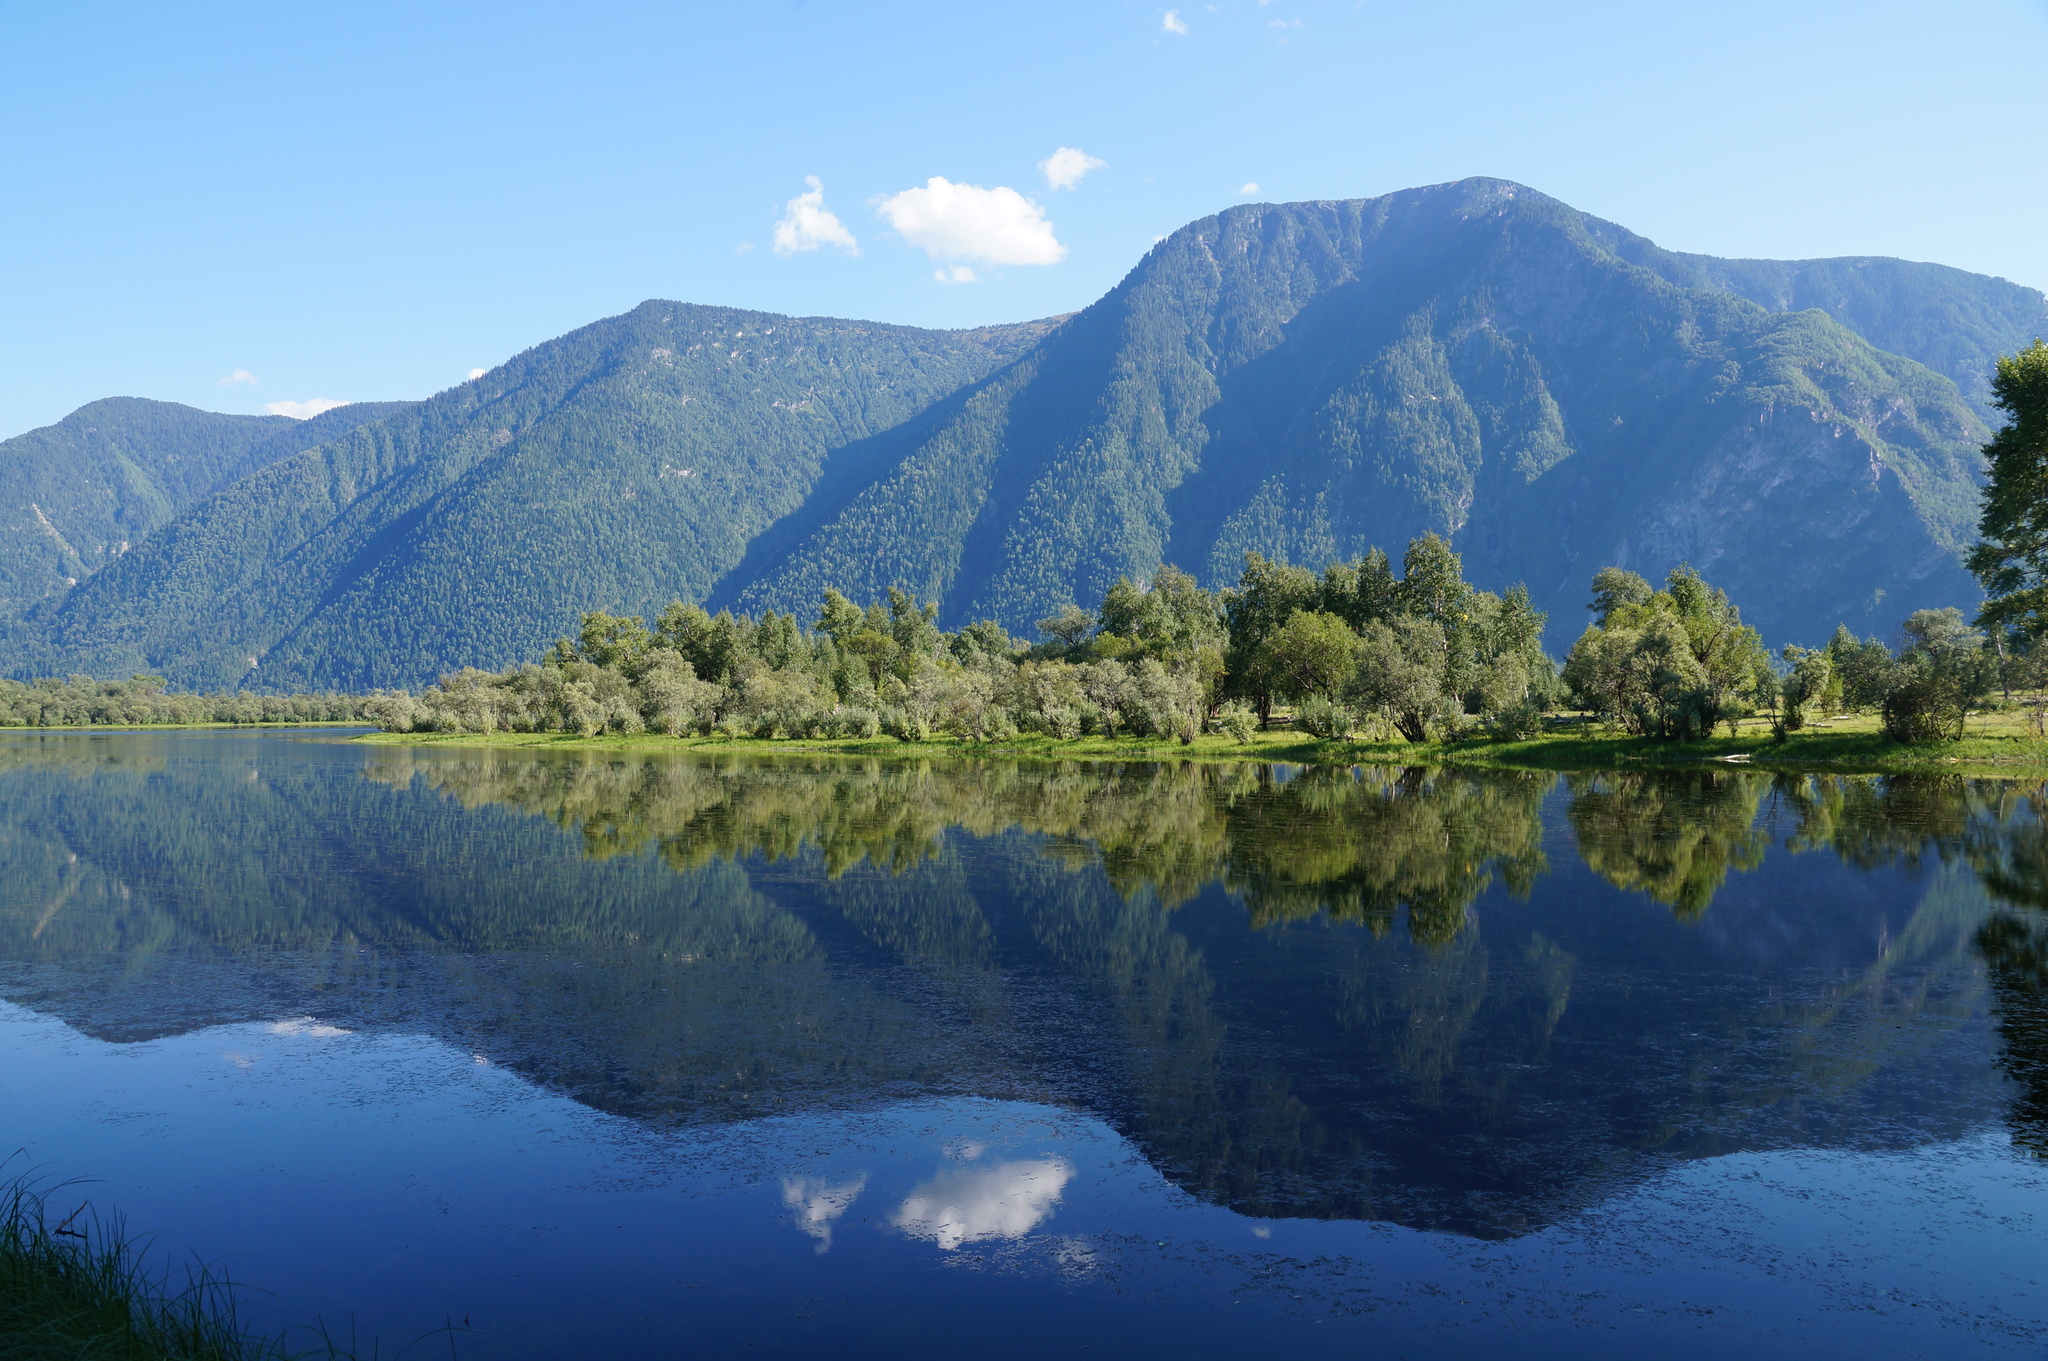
(1453, 1000)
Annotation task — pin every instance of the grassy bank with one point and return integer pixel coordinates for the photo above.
(73, 1286)
(1995, 744)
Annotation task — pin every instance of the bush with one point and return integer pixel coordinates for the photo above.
(1062, 722)
(1325, 718)
(856, 722)
(1515, 722)
(906, 724)
(1237, 722)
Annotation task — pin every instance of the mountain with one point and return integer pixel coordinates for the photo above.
(1954, 322)
(79, 494)
(1308, 380)
(618, 467)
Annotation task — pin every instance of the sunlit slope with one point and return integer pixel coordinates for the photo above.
(1954, 322)
(82, 493)
(1311, 379)
(1305, 380)
(619, 466)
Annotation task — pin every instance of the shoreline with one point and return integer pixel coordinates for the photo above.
(1851, 748)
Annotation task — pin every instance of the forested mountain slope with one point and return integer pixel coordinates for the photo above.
(79, 494)
(619, 466)
(1312, 379)
(1308, 380)
(1954, 322)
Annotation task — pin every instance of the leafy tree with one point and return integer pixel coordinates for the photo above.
(1069, 628)
(1672, 665)
(2012, 559)
(1312, 655)
(1944, 671)
(1267, 595)
(1614, 587)
(1401, 673)
(1811, 676)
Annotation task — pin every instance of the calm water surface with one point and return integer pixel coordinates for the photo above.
(620, 1056)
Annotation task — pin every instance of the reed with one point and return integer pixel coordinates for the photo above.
(78, 1287)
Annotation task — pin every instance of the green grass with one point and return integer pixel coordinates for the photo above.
(1995, 743)
(74, 1286)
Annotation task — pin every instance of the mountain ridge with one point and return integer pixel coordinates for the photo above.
(1551, 391)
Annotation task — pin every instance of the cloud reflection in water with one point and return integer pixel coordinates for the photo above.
(815, 1203)
(1005, 1200)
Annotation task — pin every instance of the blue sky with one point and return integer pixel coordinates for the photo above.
(369, 200)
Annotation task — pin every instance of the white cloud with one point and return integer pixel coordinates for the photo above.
(1250, 188)
(957, 274)
(966, 221)
(1005, 1201)
(1173, 23)
(1065, 167)
(238, 376)
(807, 224)
(475, 374)
(302, 411)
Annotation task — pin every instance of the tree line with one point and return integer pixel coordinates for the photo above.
(143, 700)
(1358, 649)
(1355, 650)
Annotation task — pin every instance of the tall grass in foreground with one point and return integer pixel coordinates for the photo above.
(77, 1288)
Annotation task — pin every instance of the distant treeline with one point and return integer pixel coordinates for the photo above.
(1355, 649)
(82, 702)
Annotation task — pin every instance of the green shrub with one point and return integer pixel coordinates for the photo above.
(1325, 718)
(1237, 722)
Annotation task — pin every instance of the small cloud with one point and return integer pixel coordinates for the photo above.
(1249, 189)
(475, 374)
(1065, 167)
(807, 224)
(302, 411)
(1283, 23)
(965, 221)
(743, 248)
(958, 274)
(239, 376)
(1173, 23)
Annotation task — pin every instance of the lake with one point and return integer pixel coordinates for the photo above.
(602, 1055)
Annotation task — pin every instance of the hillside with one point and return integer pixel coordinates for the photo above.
(1312, 379)
(1308, 380)
(1954, 322)
(79, 494)
(619, 466)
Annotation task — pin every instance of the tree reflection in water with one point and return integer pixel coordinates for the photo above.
(1334, 992)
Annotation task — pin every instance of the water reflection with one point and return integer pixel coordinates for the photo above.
(971, 1204)
(815, 1203)
(1457, 1000)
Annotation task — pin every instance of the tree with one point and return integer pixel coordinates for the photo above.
(1670, 665)
(1401, 673)
(1267, 595)
(1944, 671)
(1069, 628)
(1614, 587)
(1310, 656)
(2012, 560)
